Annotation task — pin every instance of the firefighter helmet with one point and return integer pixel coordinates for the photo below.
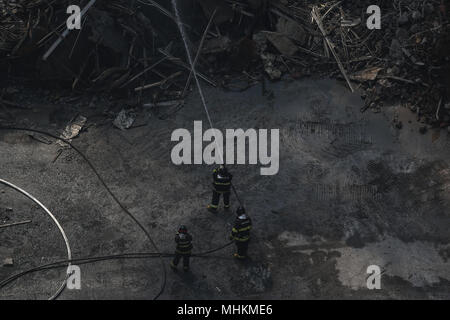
(222, 170)
(240, 211)
(182, 229)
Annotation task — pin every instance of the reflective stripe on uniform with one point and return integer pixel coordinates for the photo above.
(241, 239)
(242, 229)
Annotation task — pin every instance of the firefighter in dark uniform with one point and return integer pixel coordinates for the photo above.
(241, 233)
(184, 248)
(221, 186)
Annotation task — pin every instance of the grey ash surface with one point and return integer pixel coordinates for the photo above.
(353, 190)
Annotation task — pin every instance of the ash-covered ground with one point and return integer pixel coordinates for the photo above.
(354, 189)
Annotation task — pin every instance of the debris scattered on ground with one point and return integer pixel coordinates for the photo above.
(72, 130)
(164, 103)
(216, 45)
(14, 224)
(134, 48)
(124, 119)
(366, 75)
(8, 262)
(283, 44)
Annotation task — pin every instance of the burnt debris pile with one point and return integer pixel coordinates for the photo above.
(396, 54)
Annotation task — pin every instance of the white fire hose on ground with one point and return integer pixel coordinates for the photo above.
(69, 252)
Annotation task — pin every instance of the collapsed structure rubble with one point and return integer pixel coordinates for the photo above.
(133, 48)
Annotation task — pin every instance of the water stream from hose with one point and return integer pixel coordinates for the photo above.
(194, 73)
